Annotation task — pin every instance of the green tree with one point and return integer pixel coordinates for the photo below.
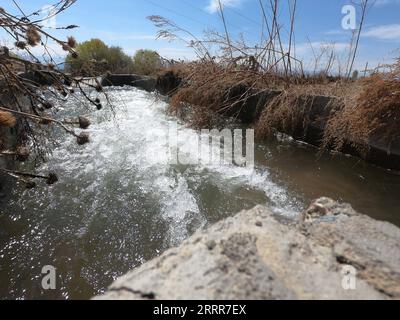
(146, 62)
(95, 58)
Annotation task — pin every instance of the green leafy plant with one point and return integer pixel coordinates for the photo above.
(96, 58)
(147, 62)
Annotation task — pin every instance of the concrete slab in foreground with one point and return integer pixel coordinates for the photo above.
(258, 255)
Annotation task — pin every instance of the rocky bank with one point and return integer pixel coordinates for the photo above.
(260, 255)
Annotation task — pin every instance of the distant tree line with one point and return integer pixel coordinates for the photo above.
(96, 58)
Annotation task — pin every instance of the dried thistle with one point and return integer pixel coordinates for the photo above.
(21, 45)
(33, 36)
(66, 47)
(84, 123)
(83, 138)
(7, 119)
(71, 42)
(26, 34)
(30, 184)
(98, 104)
(48, 105)
(4, 52)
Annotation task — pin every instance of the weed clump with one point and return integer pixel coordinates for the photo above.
(371, 116)
(212, 90)
(289, 112)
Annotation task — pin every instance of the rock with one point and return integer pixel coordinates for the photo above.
(120, 80)
(259, 255)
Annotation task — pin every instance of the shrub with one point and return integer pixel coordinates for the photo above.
(96, 58)
(147, 62)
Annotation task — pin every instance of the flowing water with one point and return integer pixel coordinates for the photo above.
(119, 203)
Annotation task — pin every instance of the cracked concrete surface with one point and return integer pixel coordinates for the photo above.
(258, 255)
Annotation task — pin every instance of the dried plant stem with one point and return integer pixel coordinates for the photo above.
(364, 5)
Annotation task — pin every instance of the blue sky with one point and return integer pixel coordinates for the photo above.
(123, 23)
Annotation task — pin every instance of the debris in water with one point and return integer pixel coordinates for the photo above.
(52, 179)
(30, 184)
(83, 138)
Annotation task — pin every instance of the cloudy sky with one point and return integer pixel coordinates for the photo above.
(123, 23)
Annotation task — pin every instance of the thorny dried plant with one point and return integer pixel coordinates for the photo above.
(32, 86)
(268, 56)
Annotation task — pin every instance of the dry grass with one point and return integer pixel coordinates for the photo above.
(363, 110)
(289, 112)
(212, 89)
(372, 115)
(229, 72)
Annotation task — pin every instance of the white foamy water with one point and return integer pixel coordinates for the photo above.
(120, 202)
(135, 147)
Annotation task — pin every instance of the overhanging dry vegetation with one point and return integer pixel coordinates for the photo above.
(229, 74)
(213, 90)
(363, 111)
(32, 86)
(370, 116)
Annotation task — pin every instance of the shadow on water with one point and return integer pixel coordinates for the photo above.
(370, 190)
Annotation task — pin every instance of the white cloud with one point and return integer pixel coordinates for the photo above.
(335, 32)
(306, 48)
(177, 53)
(384, 32)
(213, 6)
(115, 36)
(381, 3)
